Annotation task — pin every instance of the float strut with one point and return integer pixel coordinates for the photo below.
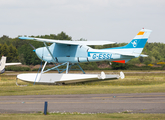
(67, 67)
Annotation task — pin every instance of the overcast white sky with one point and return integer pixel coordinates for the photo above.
(113, 20)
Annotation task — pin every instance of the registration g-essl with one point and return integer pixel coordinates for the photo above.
(101, 56)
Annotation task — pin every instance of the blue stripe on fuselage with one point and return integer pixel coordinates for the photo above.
(135, 43)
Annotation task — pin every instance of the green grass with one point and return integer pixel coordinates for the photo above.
(77, 116)
(133, 83)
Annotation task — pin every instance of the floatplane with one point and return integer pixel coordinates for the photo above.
(3, 64)
(74, 52)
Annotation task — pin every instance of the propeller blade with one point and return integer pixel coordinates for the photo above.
(32, 46)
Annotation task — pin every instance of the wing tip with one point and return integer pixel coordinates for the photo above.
(26, 38)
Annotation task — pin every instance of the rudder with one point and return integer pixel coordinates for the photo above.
(2, 64)
(140, 39)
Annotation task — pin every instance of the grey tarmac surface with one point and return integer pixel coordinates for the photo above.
(86, 103)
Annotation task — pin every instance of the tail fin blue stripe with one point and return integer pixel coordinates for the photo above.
(135, 43)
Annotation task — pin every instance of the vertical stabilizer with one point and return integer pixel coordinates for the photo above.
(139, 40)
(137, 44)
(2, 64)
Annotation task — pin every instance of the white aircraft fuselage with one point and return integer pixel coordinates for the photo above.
(78, 53)
(83, 53)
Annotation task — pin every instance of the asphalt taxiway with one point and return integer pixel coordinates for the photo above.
(86, 103)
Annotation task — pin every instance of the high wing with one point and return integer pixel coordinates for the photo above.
(69, 42)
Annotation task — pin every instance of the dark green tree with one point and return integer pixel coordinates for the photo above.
(13, 54)
(10, 55)
(63, 36)
(4, 50)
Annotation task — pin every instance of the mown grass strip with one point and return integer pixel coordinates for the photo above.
(78, 116)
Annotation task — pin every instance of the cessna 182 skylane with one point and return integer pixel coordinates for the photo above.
(3, 64)
(74, 52)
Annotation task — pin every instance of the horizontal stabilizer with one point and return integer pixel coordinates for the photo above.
(2, 64)
(68, 41)
(127, 54)
(7, 64)
(133, 55)
(142, 55)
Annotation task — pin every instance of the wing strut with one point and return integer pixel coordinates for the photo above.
(43, 67)
(49, 52)
(67, 67)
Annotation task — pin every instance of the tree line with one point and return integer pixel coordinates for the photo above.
(21, 50)
(10, 51)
